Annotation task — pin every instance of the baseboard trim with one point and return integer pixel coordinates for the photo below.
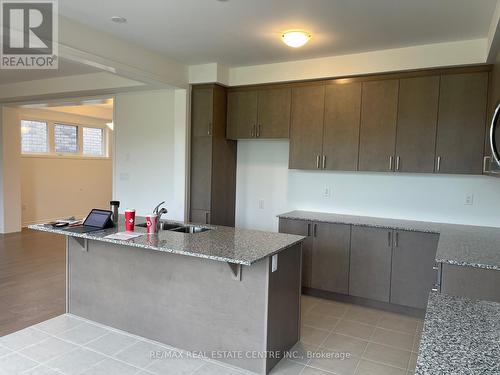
(390, 307)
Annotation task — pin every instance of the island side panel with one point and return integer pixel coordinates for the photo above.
(283, 329)
(186, 302)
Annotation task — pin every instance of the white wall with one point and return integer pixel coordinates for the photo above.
(396, 59)
(262, 173)
(146, 159)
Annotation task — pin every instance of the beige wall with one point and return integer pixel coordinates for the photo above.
(53, 186)
(11, 145)
(56, 187)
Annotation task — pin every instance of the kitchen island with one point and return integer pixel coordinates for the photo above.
(228, 294)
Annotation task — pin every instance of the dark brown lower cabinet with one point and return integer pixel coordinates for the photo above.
(413, 273)
(370, 266)
(330, 257)
(301, 228)
(385, 265)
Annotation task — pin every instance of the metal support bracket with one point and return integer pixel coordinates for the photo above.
(83, 242)
(236, 270)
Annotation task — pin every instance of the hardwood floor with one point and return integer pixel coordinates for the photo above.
(32, 279)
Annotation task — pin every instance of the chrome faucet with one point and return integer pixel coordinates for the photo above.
(159, 211)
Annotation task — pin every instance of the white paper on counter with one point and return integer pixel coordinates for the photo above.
(124, 236)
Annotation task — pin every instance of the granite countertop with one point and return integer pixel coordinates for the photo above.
(461, 336)
(463, 245)
(224, 244)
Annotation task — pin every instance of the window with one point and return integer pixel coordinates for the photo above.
(93, 141)
(34, 137)
(47, 137)
(66, 138)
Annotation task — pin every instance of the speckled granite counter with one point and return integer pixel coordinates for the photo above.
(463, 245)
(225, 244)
(461, 336)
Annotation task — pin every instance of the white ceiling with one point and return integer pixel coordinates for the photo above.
(247, 32)
(66, 68)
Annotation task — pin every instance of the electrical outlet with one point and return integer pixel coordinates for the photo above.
(469, 199)
(327, 192)
(261, 204)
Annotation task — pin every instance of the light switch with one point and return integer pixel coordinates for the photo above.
(274, 263)
(261, 204)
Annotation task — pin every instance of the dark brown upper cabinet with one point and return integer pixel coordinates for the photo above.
(416, 125)
(213, 159)
(461, 123)
(259, 113)
(341, 126)
(378, 125)
(274, 113)
(306, 130)
(241, 114)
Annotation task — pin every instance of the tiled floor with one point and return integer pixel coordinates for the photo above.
(344, 339)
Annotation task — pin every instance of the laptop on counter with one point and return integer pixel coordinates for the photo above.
(96, 220)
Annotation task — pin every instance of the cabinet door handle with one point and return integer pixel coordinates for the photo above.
(435, 287)
(308, 229)
(389, 238)
(315, 230)
(324, 161)
(252, 131)
(207, 217)
(438, 165)
(398, 159)
(397, 239)
(390, 163)
(258, 131)
(210, 128)
(317, 161)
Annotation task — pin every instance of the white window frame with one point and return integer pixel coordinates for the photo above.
(106, 137)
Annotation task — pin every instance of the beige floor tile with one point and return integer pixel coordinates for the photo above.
(416, 342)
(393, 338)
(387, 355)
(313, 336)
(301, 352)
(371, 368)
(307, 302)
(286, 367)
(320, 321)
(337, 365)
(363, 314)
(354, 329)
(412, 363)
(332, 308)
(314, 371)
(398, 323)
(346, 344)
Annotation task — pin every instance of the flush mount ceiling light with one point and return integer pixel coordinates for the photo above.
(118, 19)
(295, 38)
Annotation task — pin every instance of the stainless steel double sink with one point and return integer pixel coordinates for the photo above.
(174, 227)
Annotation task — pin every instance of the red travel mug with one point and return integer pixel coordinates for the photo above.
(129, 220)
(152, 222)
